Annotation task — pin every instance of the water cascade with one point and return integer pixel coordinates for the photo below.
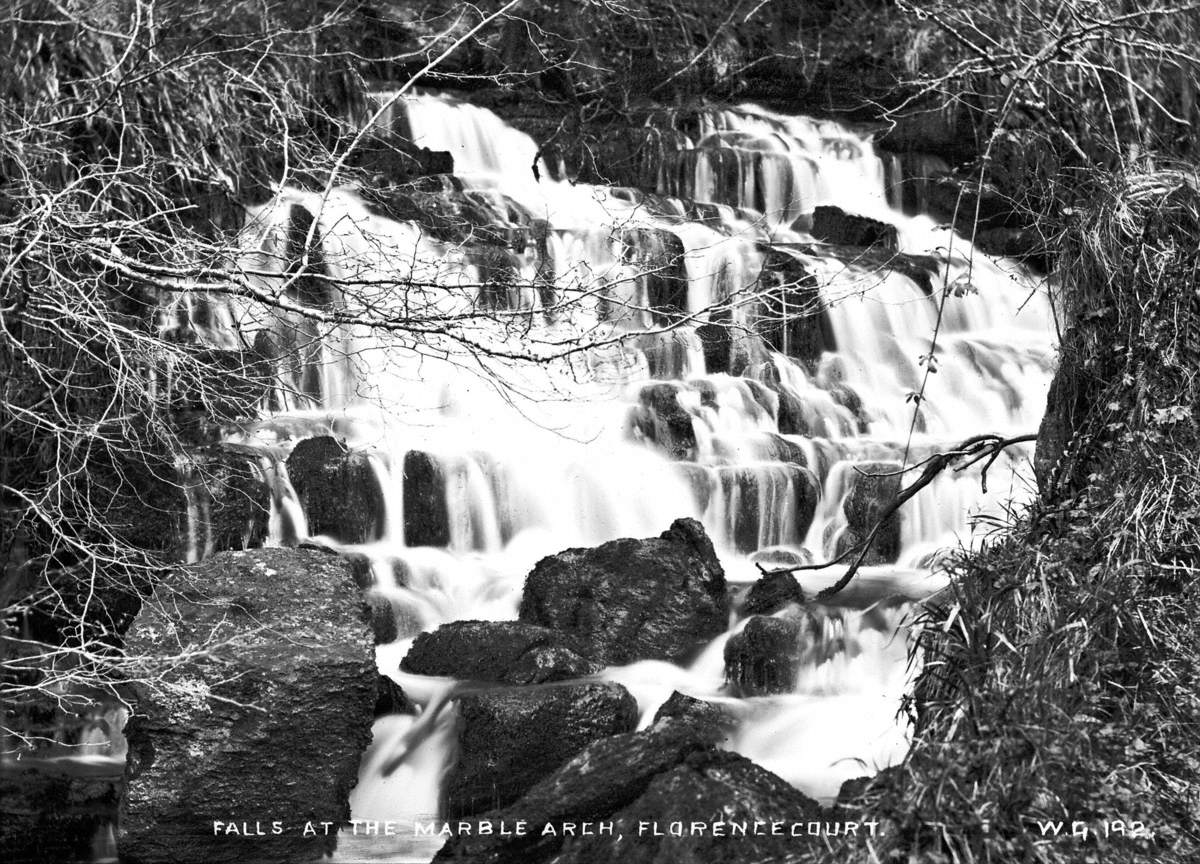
(580, 363)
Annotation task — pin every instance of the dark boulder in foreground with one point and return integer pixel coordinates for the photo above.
(710, 786)
(509, 739)
(667, 773)
(338, 490)
(661, 598)
(265, 718)
(509, 652)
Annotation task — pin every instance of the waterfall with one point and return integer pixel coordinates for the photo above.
(732, 366)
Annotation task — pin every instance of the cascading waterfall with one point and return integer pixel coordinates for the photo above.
(485, 461)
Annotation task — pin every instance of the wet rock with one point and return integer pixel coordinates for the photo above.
(885, 548)
(510, 652)
(378, 612)
(688, 709)
(700, 480)
(834, 225)
(789, 314)
(670, 772)
(781, 556)
(601, 779)
(390, 698)
(661, 598)
(396, 160)
(769, 652)
(360, 567)
(771, 593)
(728, 347)
(226, 503)
(764, 657)
(708, 786)
(445, 208)
(426, 515)
(337, 490)
(659, 419)
(716, 341)
(658, 255)
(509, 739)
(781, 487)
(783, 450)
(872, 488)
(276, 709)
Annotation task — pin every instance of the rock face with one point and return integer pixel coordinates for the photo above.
(509, 739)
(337, 489)
(509, 652)
(267, 722)
(655, 599)
(666, 773)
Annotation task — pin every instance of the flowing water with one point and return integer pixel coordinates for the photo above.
(557, 370)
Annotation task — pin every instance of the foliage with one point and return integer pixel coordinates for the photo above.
(1060, 674)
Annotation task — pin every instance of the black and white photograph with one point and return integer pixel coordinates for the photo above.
(600, 432)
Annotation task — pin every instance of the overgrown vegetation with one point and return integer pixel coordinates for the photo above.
(1062, 673)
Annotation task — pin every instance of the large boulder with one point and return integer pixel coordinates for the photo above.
(668, 773)
(509, 652)
(601, 779)
(710, 787)
(262, 712)
(509, 739)
(338, 490)
(660, 598)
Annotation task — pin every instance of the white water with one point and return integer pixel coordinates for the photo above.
(539, 456)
